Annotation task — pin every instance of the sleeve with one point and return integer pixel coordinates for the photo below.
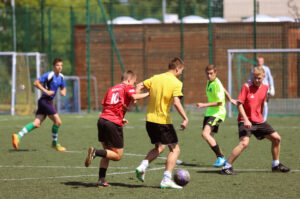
(270, 77)
(147, 83)
(44, 78)
(243, 94)
(130, 91)
(177, 92)
(62, 85)
(220, 93)
(251, 74)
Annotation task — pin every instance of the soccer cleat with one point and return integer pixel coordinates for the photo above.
(140, 174)
(102, 184)
(228, 171)
(280, 168)
(15, 140)
(91, 156)
(58, 147)
(221, 161)
(169, 184)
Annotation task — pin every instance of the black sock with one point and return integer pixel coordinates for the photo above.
(101, 153)
(102, 173)
(217, 151)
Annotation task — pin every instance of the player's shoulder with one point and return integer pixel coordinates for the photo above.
(61, 75)
(265, 86)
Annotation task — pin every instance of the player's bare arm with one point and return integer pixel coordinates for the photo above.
(38, 85)
(181, 111)
(228, 97)
(203, 105)
(241, 109)
(63, 91)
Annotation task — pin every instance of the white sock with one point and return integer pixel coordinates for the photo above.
(227, 166)
(275, 163)
(23, 132)
(144, 165)
(167, 175)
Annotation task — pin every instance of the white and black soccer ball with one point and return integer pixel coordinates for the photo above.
(182, 177)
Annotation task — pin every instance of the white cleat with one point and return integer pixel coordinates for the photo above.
(169, 184)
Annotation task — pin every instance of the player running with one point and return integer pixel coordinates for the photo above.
(48, 83)
(116, 102)
(250, 121)
(165, 90)
(215, 112)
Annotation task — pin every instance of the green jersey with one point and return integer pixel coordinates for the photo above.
(215, 93)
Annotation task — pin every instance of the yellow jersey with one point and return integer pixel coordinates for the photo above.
(163, 88)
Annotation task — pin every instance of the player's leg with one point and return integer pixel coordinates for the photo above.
(55, 128)
(170, 164)
(112, 154)
(154, 133)
(275, 149)
(210, 127)
(152, 155)
(243, 143)
(26, 129)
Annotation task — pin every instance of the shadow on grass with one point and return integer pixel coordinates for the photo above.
(77, 184)
(22, 150)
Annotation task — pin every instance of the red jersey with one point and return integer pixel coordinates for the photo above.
(115, 102)
(252, 98)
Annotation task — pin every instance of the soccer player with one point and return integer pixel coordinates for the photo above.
(268, 80)
(116, 102)
(48, 83)
(250, 121)
(215, 112)
(165, 90)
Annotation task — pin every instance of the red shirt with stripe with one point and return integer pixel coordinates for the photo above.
(252, 98)
(115, 102)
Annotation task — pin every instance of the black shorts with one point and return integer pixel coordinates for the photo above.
(258, 130)
(213, 122)
(161, 133)
(45, 106)
(110, 133)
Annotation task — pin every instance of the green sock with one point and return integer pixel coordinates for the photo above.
(54, 134)
(26, 129)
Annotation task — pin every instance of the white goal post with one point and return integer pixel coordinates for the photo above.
(24, 67)
(232, 52)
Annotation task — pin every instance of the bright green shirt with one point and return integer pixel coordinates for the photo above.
(215, 93)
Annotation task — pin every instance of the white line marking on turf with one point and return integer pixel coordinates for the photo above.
(77, 176)
(57, 167)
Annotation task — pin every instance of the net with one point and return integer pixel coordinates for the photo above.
(284, 65)
(18, 71)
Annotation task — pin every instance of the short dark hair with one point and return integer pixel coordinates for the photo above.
(56, 60)
(210, 67)
(175, 63)
(128, 75)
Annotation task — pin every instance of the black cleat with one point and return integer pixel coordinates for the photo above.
(280, 168)
(228, 171)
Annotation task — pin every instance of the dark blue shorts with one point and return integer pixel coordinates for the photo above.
(45, 106)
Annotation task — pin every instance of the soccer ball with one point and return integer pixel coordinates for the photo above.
(182, 177)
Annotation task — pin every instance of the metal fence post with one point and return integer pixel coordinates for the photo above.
(112, 61)
(88, 55)
(72, 23)
(49, 37)
(42, 25)
(210, 31)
